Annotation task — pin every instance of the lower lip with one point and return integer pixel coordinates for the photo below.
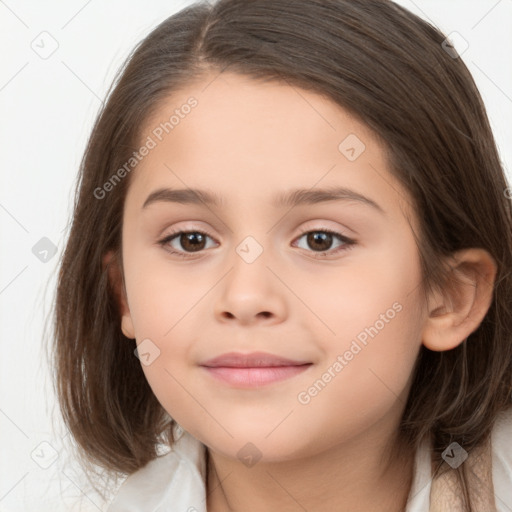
(254, 377)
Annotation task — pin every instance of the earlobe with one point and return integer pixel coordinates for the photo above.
(458, 310)
(127, 326)
(111, 263)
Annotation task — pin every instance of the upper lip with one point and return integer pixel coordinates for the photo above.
(254, 359)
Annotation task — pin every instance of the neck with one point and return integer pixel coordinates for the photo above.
(353, 477)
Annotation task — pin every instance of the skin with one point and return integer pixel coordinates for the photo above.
(245, 141)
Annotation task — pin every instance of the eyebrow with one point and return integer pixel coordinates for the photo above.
(290, 198)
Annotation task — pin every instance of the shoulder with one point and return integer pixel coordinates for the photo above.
(501, 439)
(174, 481)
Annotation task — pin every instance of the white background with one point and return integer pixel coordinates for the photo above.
(47, 109)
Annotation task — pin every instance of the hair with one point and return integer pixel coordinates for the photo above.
(387, 67)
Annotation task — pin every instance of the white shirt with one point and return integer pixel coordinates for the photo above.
(175, 482)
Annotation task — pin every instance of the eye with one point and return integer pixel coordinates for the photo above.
(191, 241)
(321, 240)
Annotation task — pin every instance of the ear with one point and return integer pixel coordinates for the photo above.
(111, 263)
(458, 310)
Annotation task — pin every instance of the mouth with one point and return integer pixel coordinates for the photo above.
(253, 370)
(251, 360)
(254, 377)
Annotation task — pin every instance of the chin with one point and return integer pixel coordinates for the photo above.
(255, 445)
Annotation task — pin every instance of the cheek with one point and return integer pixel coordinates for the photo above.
(163, 306)
(367, 368)
(162, 294)
(373, 298)
(375, 327)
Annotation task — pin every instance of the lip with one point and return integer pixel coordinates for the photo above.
(254, 377)
(251, 360)
(253, 370)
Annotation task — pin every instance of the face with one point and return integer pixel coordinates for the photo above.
(333, 283)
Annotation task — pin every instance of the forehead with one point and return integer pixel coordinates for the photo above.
(236, 115)
(250, 139)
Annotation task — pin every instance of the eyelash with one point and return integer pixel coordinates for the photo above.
(348, 242)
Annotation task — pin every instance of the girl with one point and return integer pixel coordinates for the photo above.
(287, 285)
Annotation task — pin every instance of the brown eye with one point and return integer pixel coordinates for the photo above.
(321, 241)
(190, 242)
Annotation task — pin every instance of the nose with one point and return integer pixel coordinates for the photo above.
(251, 293)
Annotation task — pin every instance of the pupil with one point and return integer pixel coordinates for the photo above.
(319, 236)
(193, 241)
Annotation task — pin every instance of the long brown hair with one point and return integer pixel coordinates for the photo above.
(388, 68)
